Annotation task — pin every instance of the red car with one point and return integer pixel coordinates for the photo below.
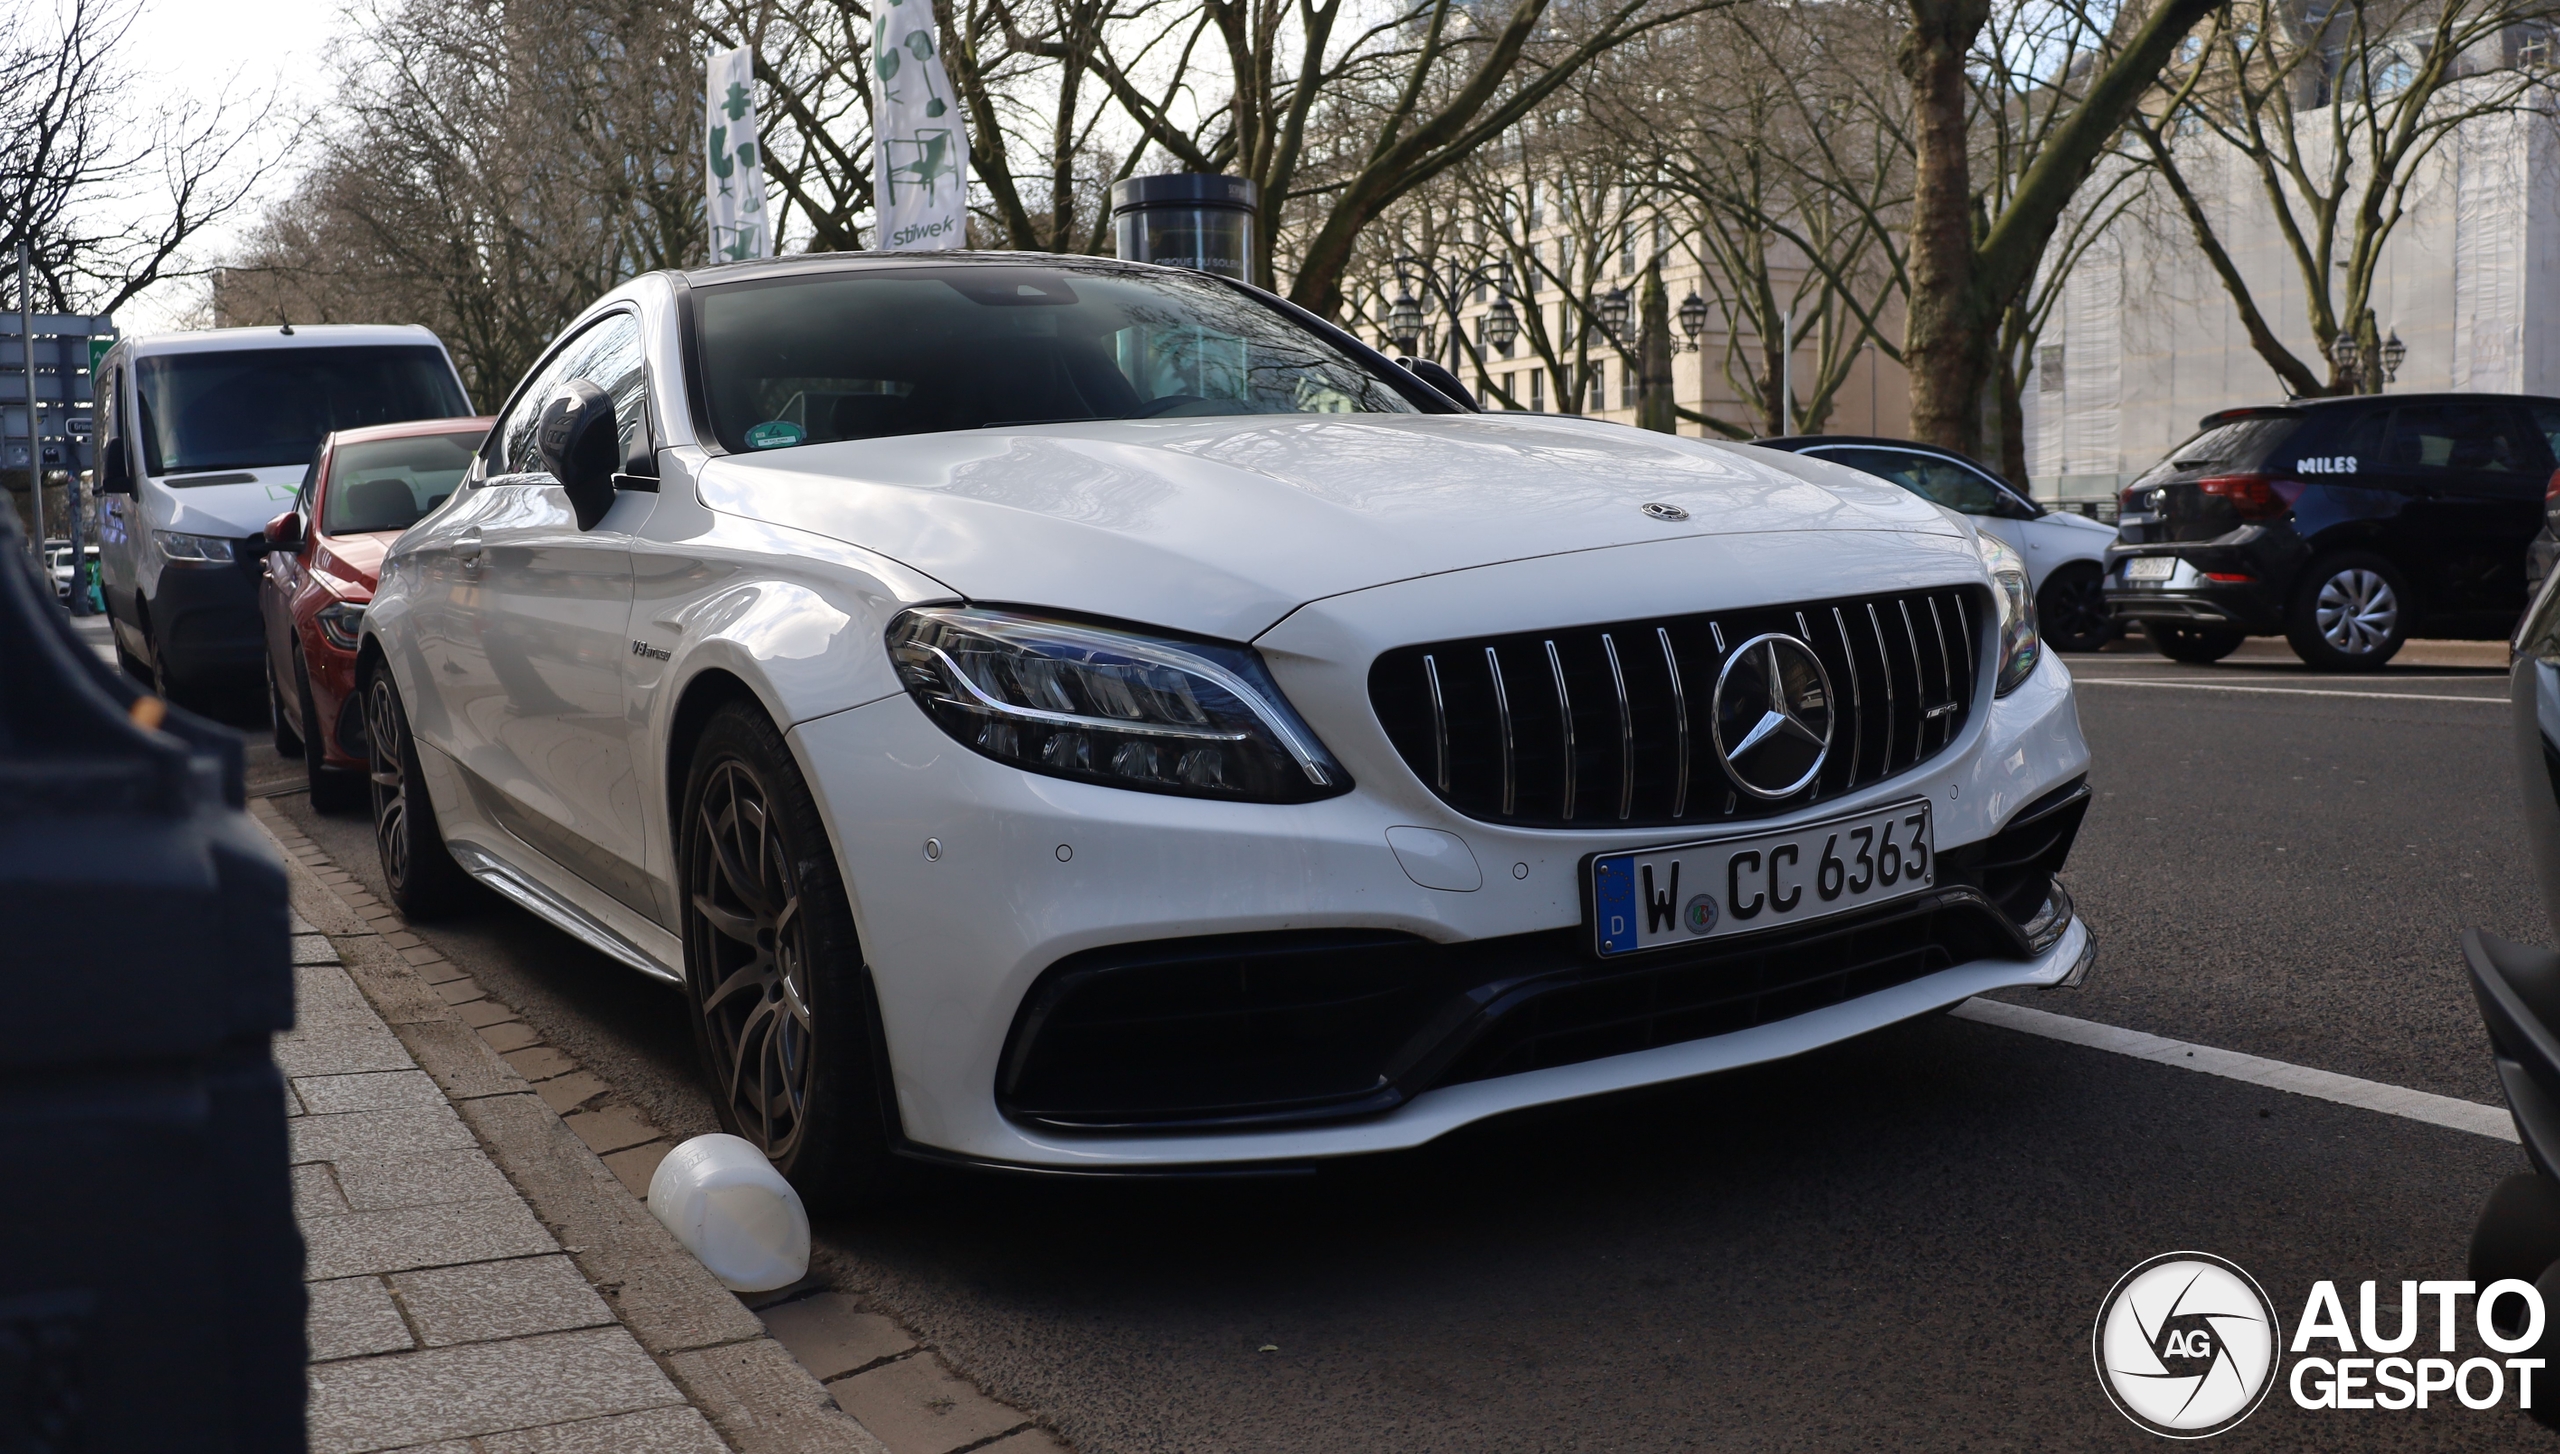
(364, 487)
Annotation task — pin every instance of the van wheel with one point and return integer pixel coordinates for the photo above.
(2350, 612)
(2197, 644)
(416, 866)
(2071, 610)
(782, 1013)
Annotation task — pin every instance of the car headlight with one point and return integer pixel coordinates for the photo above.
(2017, 603)
(340, 622)
(1108, 706)
(214, 549)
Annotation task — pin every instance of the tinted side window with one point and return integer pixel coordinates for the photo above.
(608, 355)
(2546, 418)
(2476, 437)
(1944, 481)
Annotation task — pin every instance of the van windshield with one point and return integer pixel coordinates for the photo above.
(916, 350)
(244, 408)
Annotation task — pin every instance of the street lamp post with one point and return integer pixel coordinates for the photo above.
(1404, 316)
(2393, 353)
(2343, 352)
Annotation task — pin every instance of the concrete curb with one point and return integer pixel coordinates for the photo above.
(758, 1397)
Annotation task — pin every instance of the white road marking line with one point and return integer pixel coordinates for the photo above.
(2280, 691)
(2300, 1080)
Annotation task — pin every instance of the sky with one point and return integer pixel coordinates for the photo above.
(213, 48)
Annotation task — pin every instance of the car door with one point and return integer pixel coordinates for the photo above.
(1962, 487)
(532, 681)
(2472, 474)
(117, 560)
(285, 572)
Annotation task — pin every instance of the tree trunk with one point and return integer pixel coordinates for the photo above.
(1946, 341)
(1653, 357)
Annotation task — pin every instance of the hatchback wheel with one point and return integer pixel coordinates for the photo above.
(2196, 644)
(773, 969)
(2071, 610)
(416, 866)
(333, 790)
(2349, 613)
(285, 720)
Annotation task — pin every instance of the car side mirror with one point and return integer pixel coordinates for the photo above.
(1437, 375)
(285, 531)
(581, 447)
(116, 472)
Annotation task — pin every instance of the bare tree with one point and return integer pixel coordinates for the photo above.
(1972, 250)
(108, 200)
(496, 166)
(2335, 110)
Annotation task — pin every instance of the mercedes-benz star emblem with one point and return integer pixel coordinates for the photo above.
(1660, 511)
(1772, 715)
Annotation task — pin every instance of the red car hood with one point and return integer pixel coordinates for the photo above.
(355, 559)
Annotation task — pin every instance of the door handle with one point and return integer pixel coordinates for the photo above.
(466, 551)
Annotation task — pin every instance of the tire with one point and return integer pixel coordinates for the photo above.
(333, 790)
(2197, 644)
(286, 723)
(417, 868)
(2071, 610)
(2350, 612)
(782, 1012)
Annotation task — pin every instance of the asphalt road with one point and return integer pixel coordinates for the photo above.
(1895, 1243)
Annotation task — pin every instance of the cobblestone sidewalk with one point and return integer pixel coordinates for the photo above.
(480, 1283)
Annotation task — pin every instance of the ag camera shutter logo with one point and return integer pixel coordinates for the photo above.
(2186, 1345)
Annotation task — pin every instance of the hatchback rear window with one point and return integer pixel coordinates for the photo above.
(2242, 444)
(913, 350)
(389, 484)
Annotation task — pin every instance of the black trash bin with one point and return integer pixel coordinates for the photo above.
(151, 1291)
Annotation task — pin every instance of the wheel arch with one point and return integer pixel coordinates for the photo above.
(703, 694)
(2368, 537)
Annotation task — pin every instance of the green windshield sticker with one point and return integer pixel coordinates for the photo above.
(774, 434)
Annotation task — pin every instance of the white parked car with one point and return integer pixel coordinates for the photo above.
(1067, 714)
(2066, 553)
(204, 437)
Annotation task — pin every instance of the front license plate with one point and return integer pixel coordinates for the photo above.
(1691, 891)
(2151, 567)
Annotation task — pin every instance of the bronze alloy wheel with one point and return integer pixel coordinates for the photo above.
(747, 952)
(417, 868)
(782, 1007)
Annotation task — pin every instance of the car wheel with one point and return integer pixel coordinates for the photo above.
(333, 790)
(782, 1012)
(2349, 612)
(2071, 610)
(416, 866)
(288, 740)
(2197, 644)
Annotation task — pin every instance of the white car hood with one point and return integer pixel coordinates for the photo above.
(235, 509)
(1223, 526)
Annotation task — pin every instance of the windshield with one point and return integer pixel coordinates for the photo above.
(389, 484)
(918, 350)
(243, 408)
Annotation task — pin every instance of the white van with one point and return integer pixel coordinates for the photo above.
(204, 437)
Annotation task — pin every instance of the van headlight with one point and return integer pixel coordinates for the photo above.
(1104, 705)
(209, 549)
(2017, 603)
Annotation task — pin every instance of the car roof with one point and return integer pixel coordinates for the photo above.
(312, 335)
(1794, 442)
(413, 428)
(809, 263)
(2297, 408)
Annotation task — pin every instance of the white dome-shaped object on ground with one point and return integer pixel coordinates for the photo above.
(734, 1212)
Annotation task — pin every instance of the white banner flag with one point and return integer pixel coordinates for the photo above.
(919, 154)
(740, 227)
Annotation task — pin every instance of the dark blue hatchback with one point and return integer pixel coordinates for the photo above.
(2346, 525)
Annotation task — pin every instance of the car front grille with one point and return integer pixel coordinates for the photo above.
(1609, 726)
